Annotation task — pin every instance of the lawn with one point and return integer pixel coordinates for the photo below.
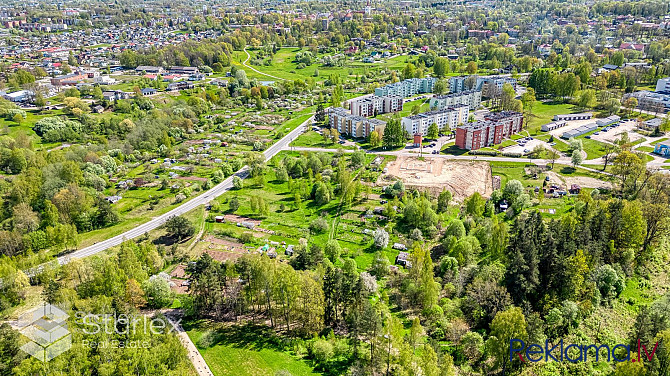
(284, 66)
(314, 140)
(543, 113)
(245, 351)
(646, 149)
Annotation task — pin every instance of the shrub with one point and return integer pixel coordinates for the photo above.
(319, 225)
(483, 152)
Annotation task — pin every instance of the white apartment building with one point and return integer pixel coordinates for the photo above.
(446, 118)
(472, 98)
(353, 125)
(407, 88)
(373, 105)
(663, 85)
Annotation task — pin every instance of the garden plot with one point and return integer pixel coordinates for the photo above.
(462, 178)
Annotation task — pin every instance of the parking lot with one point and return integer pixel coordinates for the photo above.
(526, 145)
(571, 124)
(614, 132)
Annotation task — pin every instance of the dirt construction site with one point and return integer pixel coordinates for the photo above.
(462, 178)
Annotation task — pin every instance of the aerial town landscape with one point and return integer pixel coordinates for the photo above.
(287, 188)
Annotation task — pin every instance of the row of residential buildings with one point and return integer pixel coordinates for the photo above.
(479, 83)
(407, 88)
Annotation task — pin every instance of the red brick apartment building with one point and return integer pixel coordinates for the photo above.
(495, 127)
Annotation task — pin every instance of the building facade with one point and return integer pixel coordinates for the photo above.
(374, 105)
(651, 101)
(471, 98)
(496, 127)
(446, 118)
(568, 117)
(407, 88)
(353, 125)
(663, 85)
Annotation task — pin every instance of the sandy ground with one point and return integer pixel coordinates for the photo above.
(462, 178)
(582, 181)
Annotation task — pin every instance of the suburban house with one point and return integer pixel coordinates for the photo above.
(148, 69)
(148, 91)
(179, 85)
(184, 70)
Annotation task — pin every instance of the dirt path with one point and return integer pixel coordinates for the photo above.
(256, 70)
(193, 354)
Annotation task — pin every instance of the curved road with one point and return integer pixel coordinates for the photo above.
(204, 198)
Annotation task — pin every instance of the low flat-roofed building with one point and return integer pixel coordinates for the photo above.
(553, 125)
(582, 116)
(580, 130)
(608, 120)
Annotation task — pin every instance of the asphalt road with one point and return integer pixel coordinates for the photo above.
(204, 198)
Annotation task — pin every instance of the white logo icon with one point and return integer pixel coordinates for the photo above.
(46, 327)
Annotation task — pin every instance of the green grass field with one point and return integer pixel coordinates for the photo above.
(314, 140)
(246, 351)
(543, 113)
(284, 67)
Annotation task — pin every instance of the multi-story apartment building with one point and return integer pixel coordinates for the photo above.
(663, 85)
(492, 85)
(353, 125)
(407, 88)
(651, 101)
(472, 98)
(446, 118)
(492, 130)
(457, 84)
(373, 105)
(485, 84)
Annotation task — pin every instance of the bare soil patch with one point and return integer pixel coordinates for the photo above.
(582, 181)
(462, 178)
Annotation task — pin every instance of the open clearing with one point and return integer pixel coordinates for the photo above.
(582, 181)
(462, 178)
